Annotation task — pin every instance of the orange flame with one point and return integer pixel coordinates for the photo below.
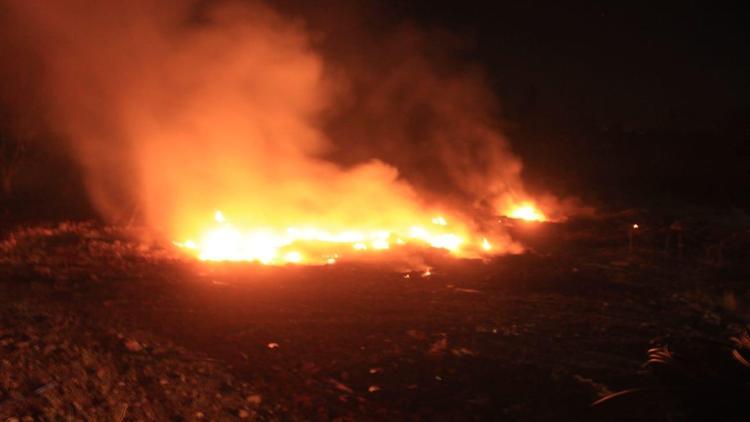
(222, 241)
(232, 106)
(526, 211)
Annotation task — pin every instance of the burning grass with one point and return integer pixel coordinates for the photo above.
(236, 135)
(311, 245)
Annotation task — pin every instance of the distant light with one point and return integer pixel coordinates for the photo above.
(635, 226)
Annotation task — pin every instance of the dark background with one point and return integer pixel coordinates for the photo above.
(630, 104)
(622, 106)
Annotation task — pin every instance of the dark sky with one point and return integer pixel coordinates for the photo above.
(673, 76)
(632, 65)
(629, 101)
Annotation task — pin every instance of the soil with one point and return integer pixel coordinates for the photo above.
(98, 325)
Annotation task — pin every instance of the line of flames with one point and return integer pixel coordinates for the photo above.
(310, 245)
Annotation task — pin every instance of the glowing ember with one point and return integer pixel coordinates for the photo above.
(222, 241)
(526, 212)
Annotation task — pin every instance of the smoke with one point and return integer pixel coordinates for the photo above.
(428, 114)
(178, 108)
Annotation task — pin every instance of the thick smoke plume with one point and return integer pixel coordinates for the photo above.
(178, 108)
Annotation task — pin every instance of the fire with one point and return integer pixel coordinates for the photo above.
(232, 105)
(218, 216)
(528, 212)
(486, 244)
(222, 241)
(439, 221)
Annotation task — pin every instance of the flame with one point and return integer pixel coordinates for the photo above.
(486, 244)
(222, 241)
(526, 211)
(233, 105)
(440, 221)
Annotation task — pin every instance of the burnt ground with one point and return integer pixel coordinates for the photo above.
(95, 325)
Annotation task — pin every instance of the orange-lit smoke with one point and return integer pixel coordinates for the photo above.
(178, 109)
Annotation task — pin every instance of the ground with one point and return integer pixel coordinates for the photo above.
(96, 325)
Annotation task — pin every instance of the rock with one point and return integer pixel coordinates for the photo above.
(416, 334)
(46, 387)
(462, 290)
(133, 345)
(254, 399)
(341, 386)
(439, 346)
(462, 351)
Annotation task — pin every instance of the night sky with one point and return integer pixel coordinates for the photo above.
(615, 104)
(628, 104)
(622, 105)
(657, 66)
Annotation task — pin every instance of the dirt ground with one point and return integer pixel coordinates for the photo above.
(95, 325)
